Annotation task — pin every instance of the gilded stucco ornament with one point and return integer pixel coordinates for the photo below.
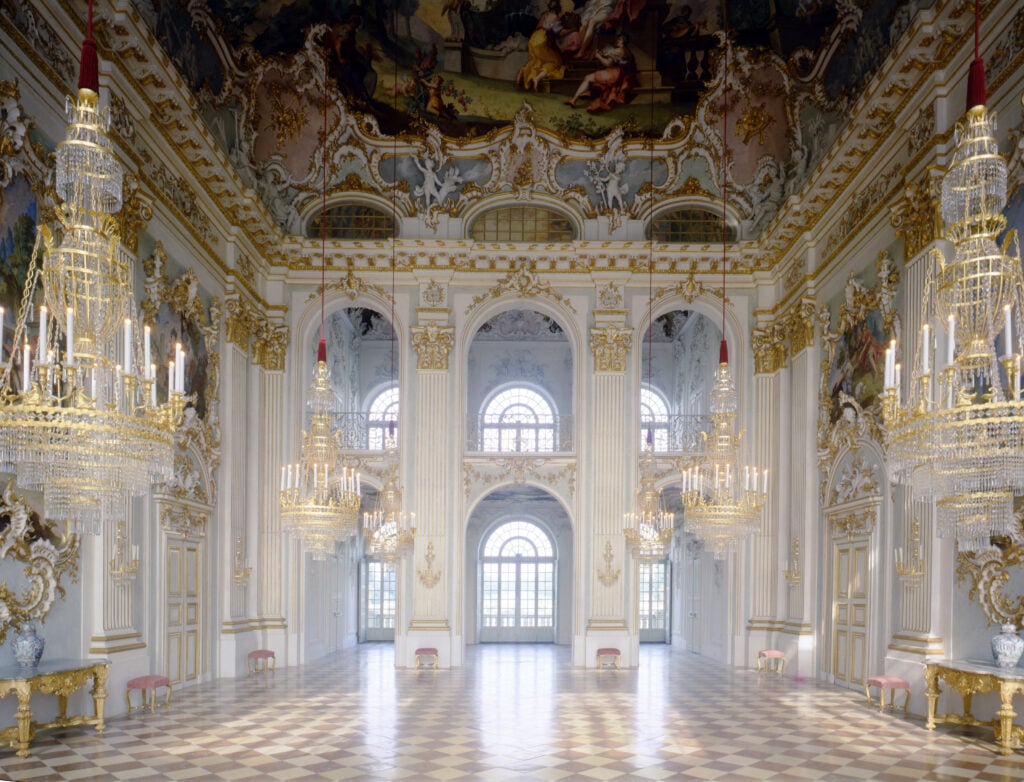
(800, 325)
(477, 475)
(607, 574)
(351, 287)
(270, 345)
(432, 344)
(989, 574)
(521, 282)
(434, 294)
(917, 218)
(610, 296)
(18, 156)
(240, 323)
(610, 346)
(46, 554)
(428, 576)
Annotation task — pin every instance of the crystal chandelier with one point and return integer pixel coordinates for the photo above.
(80, 421)
(649, 528)
(959, 436)
(722, 499)
(320, 495)
(389, 530)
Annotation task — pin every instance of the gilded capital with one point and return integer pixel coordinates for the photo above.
(769, 350)
(610, 346)
(432, 344)
(801, 326)
(268, 350)
(239, 323)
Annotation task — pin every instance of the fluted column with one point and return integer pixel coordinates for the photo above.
(916, 219)
(610, 341)
(270, 565)
(430, 436)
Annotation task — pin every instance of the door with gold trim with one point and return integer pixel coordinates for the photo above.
(850, 611)
(184, 594)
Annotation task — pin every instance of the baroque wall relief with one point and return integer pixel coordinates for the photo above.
(992, 573)
(46, 554)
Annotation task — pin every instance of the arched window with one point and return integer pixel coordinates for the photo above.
(518, 419)
(382, 414)
(352, 221)
(690, 226)
(517, 583)
(654, 418)
(522, 224)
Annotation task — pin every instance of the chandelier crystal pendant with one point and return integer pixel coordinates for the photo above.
(649, 528)
(958, 438)
(722, 498)
(80, 420)
(390, 530)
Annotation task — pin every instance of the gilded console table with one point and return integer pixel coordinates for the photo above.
(51, 677)
(975, 676)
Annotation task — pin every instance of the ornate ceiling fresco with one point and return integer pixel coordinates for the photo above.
(516, 97)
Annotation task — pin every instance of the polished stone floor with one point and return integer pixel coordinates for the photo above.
(514, 712)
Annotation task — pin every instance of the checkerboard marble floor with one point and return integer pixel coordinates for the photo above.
(514, 712)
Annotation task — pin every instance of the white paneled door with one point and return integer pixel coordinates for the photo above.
(184, 596)
(850, 611)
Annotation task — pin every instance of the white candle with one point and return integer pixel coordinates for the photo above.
(764, 490)
(282, 477)
(1008, 330)
(180, 368)
(289, 476)
(951, 342)
(170, 378)
(746, 478)
(128, 346)
(925, 346)
(152, 384)
(887, 379)
(898, 367)
(146, 349)
(70, 334)
(92, 383)
(24, 368)
(357, 484)
(316, 475)
(42, 330)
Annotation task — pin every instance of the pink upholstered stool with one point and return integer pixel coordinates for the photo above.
(771, 660)
(426, 651)
(261, 660)
(148, 684)
(608, 651)
(890, 683)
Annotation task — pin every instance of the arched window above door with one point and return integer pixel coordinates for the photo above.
(518, 419)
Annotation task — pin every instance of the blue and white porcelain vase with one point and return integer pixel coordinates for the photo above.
(1007, 647)
(28, 647)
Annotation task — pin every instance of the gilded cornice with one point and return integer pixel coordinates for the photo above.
(610, 346)
(432, 343)
(800, 325)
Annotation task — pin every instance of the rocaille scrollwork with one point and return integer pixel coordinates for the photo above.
(989, 573)
(47, 555)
